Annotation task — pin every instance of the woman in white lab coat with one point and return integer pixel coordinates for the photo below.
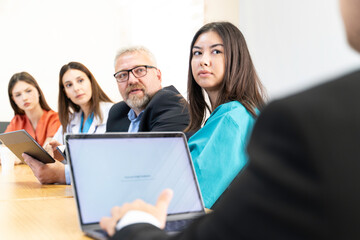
(83, 105)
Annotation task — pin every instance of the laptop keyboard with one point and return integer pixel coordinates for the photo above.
(101, 234)
(177, 226)
(101, 231)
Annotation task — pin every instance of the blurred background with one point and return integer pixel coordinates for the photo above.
(294, 44)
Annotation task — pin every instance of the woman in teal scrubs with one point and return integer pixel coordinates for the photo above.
(220, 66)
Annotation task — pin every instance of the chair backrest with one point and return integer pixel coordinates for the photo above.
(3, 126)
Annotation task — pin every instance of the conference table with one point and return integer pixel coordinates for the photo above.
(30, 210)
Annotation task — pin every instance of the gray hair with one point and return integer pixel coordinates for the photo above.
(135, 49)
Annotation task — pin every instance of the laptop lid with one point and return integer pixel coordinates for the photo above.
(110, 169)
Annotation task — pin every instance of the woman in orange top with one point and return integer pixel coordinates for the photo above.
(32, 112)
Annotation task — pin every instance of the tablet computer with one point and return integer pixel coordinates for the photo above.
(21, 142)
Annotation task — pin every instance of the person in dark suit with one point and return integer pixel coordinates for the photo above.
(146, 106)
(302, 180)
(164, 112)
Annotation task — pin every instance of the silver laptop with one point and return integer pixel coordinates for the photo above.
(110, 169)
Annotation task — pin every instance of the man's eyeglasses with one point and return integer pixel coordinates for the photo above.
(139, 71)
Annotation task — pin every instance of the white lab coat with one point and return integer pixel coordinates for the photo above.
(96, 126)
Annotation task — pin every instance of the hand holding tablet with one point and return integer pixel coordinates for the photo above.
(21, 142)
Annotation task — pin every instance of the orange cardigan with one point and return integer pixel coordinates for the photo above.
(46, 127)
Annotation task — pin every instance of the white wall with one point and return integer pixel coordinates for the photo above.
(40, 36)
(228, 11)
(295, 43)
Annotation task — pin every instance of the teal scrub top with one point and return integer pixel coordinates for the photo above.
(218, 149)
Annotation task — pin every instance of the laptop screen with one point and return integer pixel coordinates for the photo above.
(111, 169)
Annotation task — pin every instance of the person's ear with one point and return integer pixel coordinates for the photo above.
(158, 74)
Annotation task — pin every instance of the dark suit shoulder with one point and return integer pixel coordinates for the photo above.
(118, 120)
(324, 106)
(165, 93)
(120, 108)
(341, 89)
(167, 111)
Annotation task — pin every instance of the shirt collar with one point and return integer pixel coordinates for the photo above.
(132, 115)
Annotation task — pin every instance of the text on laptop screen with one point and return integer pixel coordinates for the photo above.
(111, 171)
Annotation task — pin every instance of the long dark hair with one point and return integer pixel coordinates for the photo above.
(25, 77)
(240, 82)
(66, 106)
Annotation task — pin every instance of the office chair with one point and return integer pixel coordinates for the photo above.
(3, 126)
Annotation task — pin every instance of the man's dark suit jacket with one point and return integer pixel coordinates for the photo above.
(166, 111)
(303, 177)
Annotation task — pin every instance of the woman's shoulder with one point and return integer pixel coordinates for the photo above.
(106, 106)
(17, 123)
(50, 114)
(233, 111)
(19, 118)
(105, 109)
(229, 117)
(231, 108)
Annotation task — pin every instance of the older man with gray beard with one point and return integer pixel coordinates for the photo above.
(146, 106)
